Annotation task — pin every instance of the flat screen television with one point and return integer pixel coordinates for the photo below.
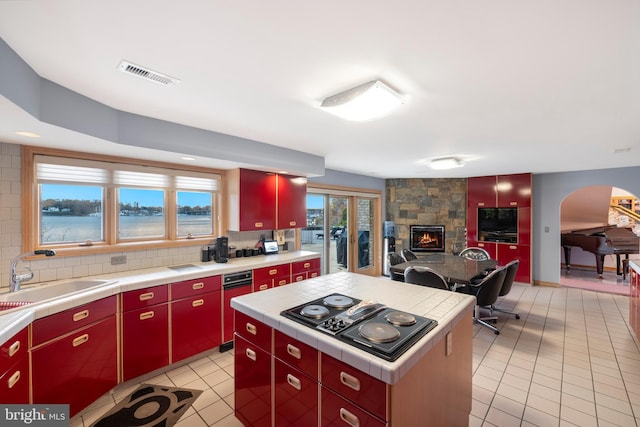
(426, 238)
(498, 225)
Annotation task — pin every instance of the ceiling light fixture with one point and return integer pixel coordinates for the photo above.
(28, 134)
(368, 101)
(445, 163)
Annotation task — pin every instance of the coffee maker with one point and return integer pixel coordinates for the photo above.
(221, 249)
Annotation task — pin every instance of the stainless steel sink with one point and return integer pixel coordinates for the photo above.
(44, 292)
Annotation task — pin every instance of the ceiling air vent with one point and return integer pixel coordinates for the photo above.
(145, 73)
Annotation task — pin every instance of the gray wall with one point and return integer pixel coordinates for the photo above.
(549, 190)
(344, 179)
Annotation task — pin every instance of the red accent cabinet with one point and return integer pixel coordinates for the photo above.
(481, 192)
(514, 190)
(14, 369)
(145, 331)
(75, 364)
(291, 201)
(302, 270)
(196, 316)
(269, 277)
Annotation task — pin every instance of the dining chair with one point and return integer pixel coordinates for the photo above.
(511, 270)
(395, 259)
(477, 254)
(486, 293)
(425, 276)
(408, 255)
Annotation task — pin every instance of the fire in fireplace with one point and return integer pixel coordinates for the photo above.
(427, 238)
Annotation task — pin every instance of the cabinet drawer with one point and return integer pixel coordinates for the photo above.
(189, 288)
(305, 266)
(66, 321)
(14, 382)
(140, 298)
(362, 389)
(296, 397)
(337, 411)
(251, 329)
(297, 354)
(13, 349)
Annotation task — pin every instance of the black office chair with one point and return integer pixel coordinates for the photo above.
(395, 259)
(486, 293)
(425, 276)
(477, 254)
(512, 269)
(408, 255)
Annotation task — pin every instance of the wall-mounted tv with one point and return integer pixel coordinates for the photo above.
(426, 238)
(498, 225)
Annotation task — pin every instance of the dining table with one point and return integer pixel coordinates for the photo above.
(454, 268)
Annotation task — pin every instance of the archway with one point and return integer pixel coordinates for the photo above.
(588, 216)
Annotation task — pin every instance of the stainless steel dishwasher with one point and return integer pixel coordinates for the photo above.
(233, 285)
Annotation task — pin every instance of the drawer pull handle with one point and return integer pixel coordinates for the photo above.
(307, 264)
(197, 286)
(294, 382)
(263, 287)
(299, 279)
(273, 272)
(147, 315)
(350, 381)
(513, 247)
(13, 349)
(513, 203)
(197, 303)
(481, 245)
(80, 315)
(292, 224)
(251, 329)
(294, 351)
(251, 354)
(481, 204)
(258, 225)
(282, 282)
(349, 418)
(80, 340)
(146, 296)
(314, 274)
(13, 379)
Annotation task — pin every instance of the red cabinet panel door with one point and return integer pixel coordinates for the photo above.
(514, 190)
(13, 349)
(254, 331)
(190, 288)
(78, 368)
(145, 340)
(252, 376)
(507, 253)
(228, 311)
(339, 412)
(301, 356)
(196, 325)
(257, 200)
(295, 396)
(147, 297)
(489, 247)
(14, 382)
(481, 192)
(292, 201)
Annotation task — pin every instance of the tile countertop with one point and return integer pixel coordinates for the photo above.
(444, 306)
(13, 320)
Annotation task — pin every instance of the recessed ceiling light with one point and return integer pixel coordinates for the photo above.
(28, 134)
(445, 163)
(368, 101)
(188, 158)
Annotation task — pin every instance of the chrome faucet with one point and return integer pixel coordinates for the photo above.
(16, 279)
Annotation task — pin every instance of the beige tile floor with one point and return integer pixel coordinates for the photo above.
(570, 360)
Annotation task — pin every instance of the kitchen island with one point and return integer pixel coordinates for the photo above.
(290, 374)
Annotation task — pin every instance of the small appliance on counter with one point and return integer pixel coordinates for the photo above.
(221, 249)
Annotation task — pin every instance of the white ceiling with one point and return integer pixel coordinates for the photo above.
(512, 86)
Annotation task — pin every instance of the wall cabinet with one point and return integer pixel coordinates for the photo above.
(14, 369)
(196, 316)
(145, 331)
(78, 364)
(265, 201)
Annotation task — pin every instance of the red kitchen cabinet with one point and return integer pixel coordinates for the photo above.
(78, 367)
(295, 397)
(338, 411)
(508, 253)
(269, 277)
(302, 270)
(145, 331)
(514, 190)
(196, 320)
(481, 192)
(490, 247)
(14, 369)
(292, 201)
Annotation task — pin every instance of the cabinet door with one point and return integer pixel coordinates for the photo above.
(196, 325)
(252, 379)
(263, 278)
(292, 202)
(514, 190)
(13, 349)
(254, 331)
(481, 192)
(507, 253)
(295, 397)
(338, 411)
(78, 368)
(228, 311)
(145, 340)
(257, 207)
(14, 382)
(489, 247)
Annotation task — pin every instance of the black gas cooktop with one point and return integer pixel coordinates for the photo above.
(365, 324)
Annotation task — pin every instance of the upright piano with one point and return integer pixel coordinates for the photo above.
(601, 241)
